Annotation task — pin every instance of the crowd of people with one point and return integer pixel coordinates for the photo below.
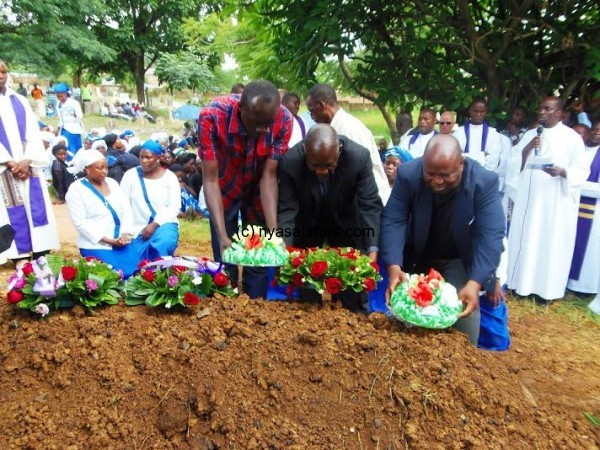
(484, 207)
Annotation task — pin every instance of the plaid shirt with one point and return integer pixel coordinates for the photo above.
(241, 158)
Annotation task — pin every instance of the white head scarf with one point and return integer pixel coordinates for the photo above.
(99, 143)
(89, 157)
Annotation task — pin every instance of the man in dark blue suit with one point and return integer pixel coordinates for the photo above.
(445, 213)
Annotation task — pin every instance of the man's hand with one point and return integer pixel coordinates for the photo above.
(373, 256)
(495, 296)
(469, 295)
(148, 231)
(396, 276)
(555, 171)
(19, 170)
(224, 243)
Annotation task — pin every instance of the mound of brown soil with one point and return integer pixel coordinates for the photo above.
(251, 374)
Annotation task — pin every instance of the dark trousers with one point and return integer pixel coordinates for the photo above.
(454, 272)
(254, 281)
(354, 301)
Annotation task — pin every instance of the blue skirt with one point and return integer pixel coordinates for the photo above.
(73, 143)
(162, 243)
(124, 258)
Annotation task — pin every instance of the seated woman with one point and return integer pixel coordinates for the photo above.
(154, 197)
(101, 215)
(189, 200)
(392, 158)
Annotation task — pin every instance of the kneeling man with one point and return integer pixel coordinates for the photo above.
(445, 213)
(328, 196)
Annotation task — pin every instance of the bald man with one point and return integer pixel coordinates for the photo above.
(328, 196)
(447, 122)
(445, 213)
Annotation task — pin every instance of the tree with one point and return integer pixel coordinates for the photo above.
(139, 31)
(52, 36)
(434, 53)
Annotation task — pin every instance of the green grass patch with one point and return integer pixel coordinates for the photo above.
(374, 121)
(571, 309)
(194, 232)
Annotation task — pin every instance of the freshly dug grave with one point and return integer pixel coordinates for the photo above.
(249, 374)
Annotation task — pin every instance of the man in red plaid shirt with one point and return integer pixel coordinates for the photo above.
(241, 140)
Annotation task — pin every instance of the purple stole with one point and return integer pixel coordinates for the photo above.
(415, 136)
(484, 135)
(17, 214)
(587, 207)
(302, 126)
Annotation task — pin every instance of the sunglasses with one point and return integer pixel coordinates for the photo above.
(445, 123)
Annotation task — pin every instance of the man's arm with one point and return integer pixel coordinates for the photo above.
(370, 205)
(288, 203)
(269, 192)
(214, 200)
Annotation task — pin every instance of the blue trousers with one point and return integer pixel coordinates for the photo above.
(254, 281)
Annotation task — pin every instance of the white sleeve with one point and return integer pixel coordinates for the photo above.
(169, 213)
(77, 205)
(123, 208)
(590, 189)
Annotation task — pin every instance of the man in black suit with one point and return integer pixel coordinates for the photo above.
(445, 213)
(328, 196)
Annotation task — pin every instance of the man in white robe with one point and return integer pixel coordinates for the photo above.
(585, 267)
(322, 104)
(24, 199)
(416, 143)
(550, 170)
(477, 139)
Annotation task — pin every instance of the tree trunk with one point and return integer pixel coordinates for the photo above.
(139, 75)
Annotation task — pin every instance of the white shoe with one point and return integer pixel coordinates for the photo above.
(595, 305)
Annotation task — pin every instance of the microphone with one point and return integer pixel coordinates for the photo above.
(539, 134)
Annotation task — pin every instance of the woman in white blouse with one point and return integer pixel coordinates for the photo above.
(154, 197)
(101, 215)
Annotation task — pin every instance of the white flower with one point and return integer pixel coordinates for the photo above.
(275, 240)
(321, 291)
(356, 269)
(448, 295)
(197, 281)
(168, 305)
(235, 290)
(42, 309)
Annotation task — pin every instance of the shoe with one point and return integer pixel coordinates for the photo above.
(595, 305)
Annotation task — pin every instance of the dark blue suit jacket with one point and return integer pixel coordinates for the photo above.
(478, 220)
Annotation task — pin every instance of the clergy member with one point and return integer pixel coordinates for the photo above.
(551, 167)
(417, 142)
(585, 274)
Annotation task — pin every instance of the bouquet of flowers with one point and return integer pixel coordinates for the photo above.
(177, 281)
(329, 270)
(54, 281)
(254, 246)
(426, 301)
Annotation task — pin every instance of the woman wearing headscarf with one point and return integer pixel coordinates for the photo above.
(101, 215)
(392, 158)
(70, 119)
(154, 197)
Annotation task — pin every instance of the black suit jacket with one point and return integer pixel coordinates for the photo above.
(352, 203)
(477, 222)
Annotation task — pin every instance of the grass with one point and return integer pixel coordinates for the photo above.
(194, 232)
(374, 121)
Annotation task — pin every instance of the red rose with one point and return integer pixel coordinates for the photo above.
(221, 279)
(297, 280)
(92, 258)
(369, 284)
(289, 290)
(143, 262)
(190, 299)
(297, 261)
(27, 269)
(253, 242)
(333, 285)
(179, 269)
(434, 275)
(14, 296)
(68, 273)
(350, 256)
(422, 294)
(318, 268)
(148, 275)
(375, 266)
(291, 249)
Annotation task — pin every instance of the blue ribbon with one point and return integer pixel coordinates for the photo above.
(145, 192)
(98, 194)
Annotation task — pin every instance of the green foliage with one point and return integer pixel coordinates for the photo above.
(184, 70)
(593, 419)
